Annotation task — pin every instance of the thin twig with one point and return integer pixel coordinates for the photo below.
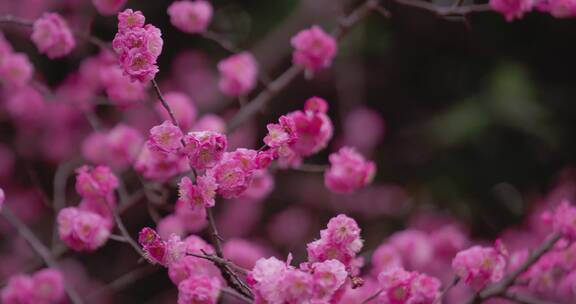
(446, 10)
(372, 297)
(42, 251)
(221, 41)
(234, 293)
(286, 78)
(164, 103)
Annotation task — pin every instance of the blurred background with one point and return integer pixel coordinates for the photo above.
(470, 117)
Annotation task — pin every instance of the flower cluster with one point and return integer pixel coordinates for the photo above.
(314, 49)
(52, 36)
(479, 266)
(238, 74)
(190, 16)
(340, 240)
(401, 286)
(45, 286)
(200, 195)
(564, 220)
(348, 171)
(88, 226)
(300, 133)
(204, 148)
(108, 7)
(137, 45)
(276, 282)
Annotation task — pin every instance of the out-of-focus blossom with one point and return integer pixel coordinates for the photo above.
(190, 16)
(52, 36)
(109, 7)
(400, 286)
(238, 74)
(314, 49)
(348, 171)
(512, 9)
(479, 266)
(242, 252)
(82, 230)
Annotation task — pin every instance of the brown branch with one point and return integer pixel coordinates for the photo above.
(446, 10)
(452, 283)
(234, 293)
(40, 249)
(499, 288)
(223, 43)
(164, 103)
(372, 297)
(286, 78)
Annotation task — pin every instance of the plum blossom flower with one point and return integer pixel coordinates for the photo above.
(479, 266)
(400, 286)
(137, 45)
(238, 74)
(512, 9)
(190, 16)
(165, 137)
(204, 148)
(199, 289)
(314, 49)
(52, 36)
(348, 171)
(200, 195)
(82, 230)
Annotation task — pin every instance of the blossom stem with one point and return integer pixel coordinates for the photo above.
(372, 297)
(42, 250)
(164, 103)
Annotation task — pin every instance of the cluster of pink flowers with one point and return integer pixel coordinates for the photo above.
(238, 74)
(348, 171)
(200, 195)
(198, 280)
(340, 240)
(108, 7)
(516, 9)
(478, 266)
(314, 49)
(190, 16)
(118, 147)
(204, 148)
(43, 287)
(52, 36)
(300, 133)
(564, 220)
(88, 226)
(160, 251)
(137, 45)
(277, 282)
(401, 286)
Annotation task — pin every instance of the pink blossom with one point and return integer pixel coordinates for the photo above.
(183, 108)
(2, 199)
(559, 8)
(348, 171)
(120, 89)
(564, 220)
(98, 182)
(190, 16)
(48, 286)
(82, 230)
(511, 9)
(266, 279)
(238, 74)
(52, 36)
(137, 46)
(313, 49)
(117, 147)
(200, 195)
(234, 173)
(210, 122)
(16, 69)
(170, 225)
(280, 134)
(161, 251)
(26, 105)
(160, 166)
(199, 290)
(18, 290)
(479, 266)
(385, 257)
(242, 252)
(363, 128)
(340, 241)
(108, 7)
(261, 185)
(328, 277)
(296, 286)
(194, 220)
(129, 19)
(400, 286)
(204, 148)
(165, 137)
(414, 247)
